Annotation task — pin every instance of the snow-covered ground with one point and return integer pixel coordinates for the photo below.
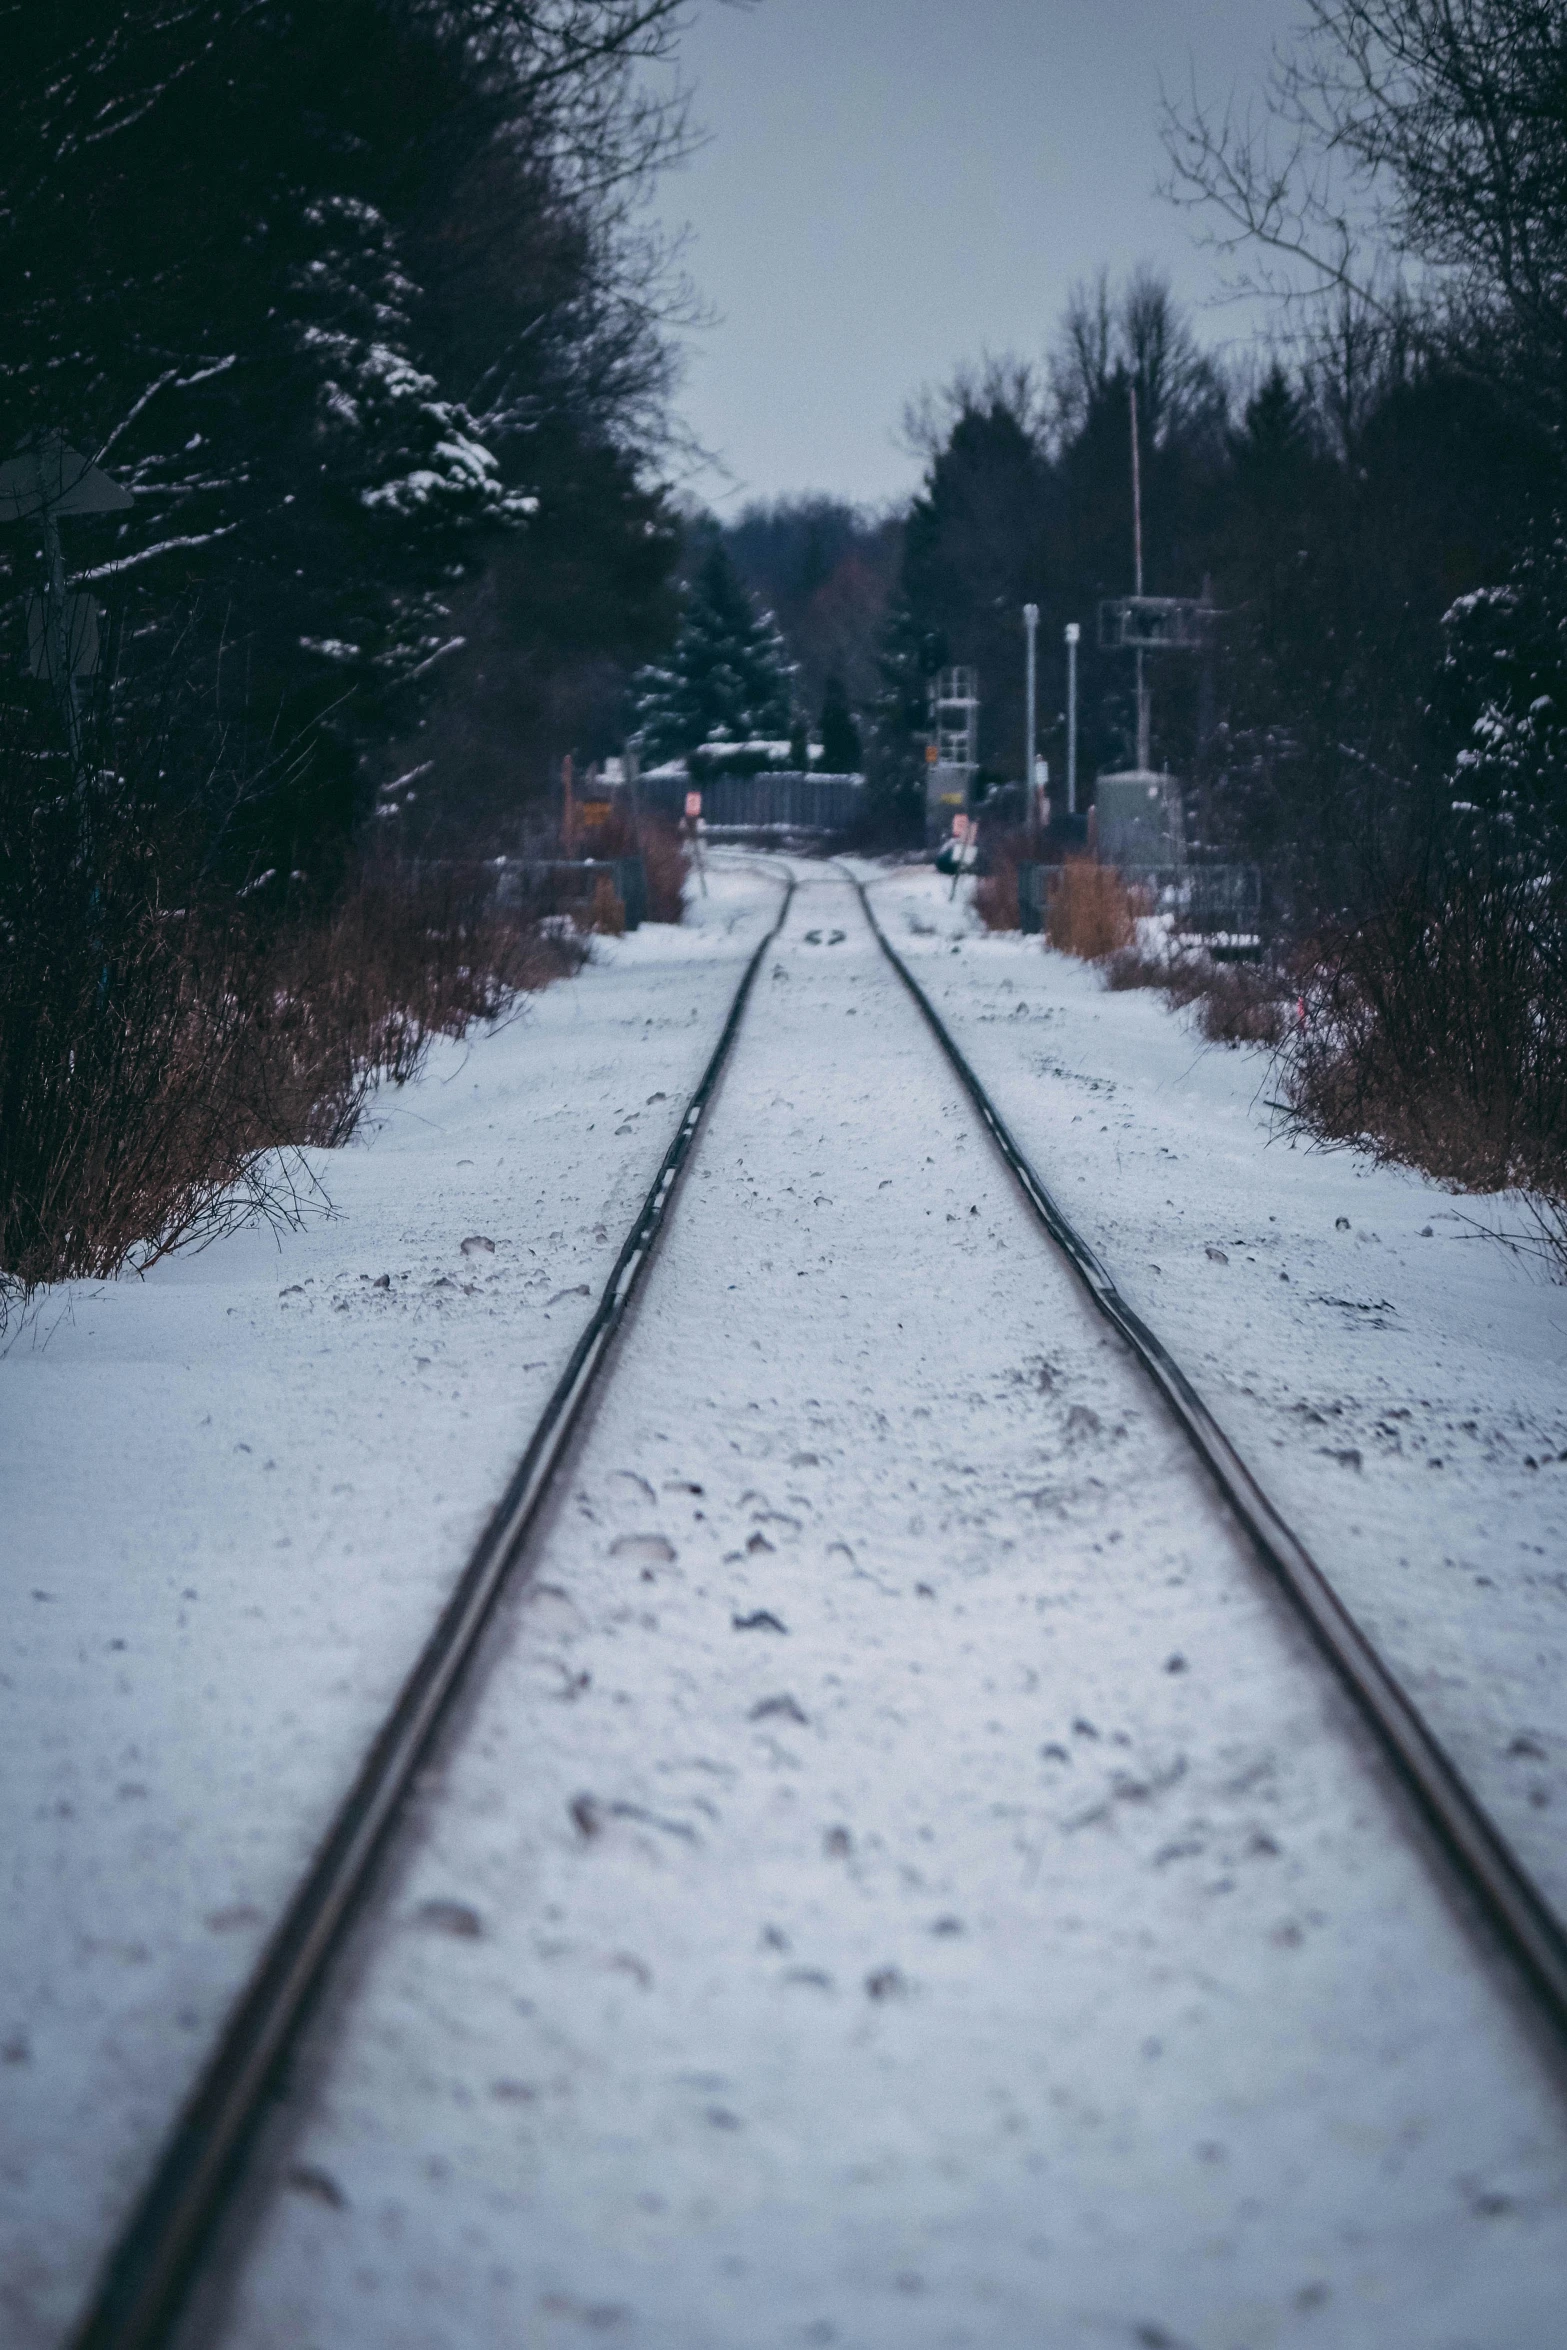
(900, 1877)
(1398, 1383)
(233, 1496)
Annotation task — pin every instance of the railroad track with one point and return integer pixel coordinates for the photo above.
(144, 2280)
(138, 2300)
(1523, 1920)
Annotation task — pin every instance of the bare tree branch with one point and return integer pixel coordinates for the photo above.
(1429, 134)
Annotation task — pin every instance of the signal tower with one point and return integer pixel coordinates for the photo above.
(952, 752)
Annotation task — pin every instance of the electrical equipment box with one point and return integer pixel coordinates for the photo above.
(1138, 821)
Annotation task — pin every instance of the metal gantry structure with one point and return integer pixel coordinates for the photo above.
(1142, 624)
(952, 748)
(954, 717)
(1073, 634)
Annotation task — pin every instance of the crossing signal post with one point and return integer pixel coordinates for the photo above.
(1031, 685)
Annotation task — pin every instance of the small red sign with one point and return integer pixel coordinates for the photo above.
(693, 803)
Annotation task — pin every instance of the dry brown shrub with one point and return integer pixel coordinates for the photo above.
(402, 957)
(1129, 967)
(1236, 1003)
(1186, 978)
(1089, 910)
(160, 1066)
(1240, 1003)
(605, 912)
(656, 840)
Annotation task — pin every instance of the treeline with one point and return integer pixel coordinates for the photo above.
(356, 302)
(1337, 510)
(1373, 511)
(1376, 515)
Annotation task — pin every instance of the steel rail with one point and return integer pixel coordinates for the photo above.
(1482, 1858)
(137, 2298)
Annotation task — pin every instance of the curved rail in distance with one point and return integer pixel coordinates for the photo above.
(1482, 1859)
(140, 2287)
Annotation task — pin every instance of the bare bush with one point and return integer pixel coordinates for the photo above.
(166, 1047)
(1240, 1003)
(656, 840)
(1435, 1033)
(1237, 1003)
(996, 899)
(1131, 967)
(344, 1000)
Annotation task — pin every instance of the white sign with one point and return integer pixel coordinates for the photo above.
(54, 479)
(693, 803)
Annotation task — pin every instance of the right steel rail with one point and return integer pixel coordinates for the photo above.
(1483, 1860)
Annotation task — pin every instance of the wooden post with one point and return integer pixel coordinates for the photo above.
(568, 813)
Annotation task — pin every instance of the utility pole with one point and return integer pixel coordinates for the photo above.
(58, 664)
(631, 768)
(1031, 627)
(46, 480)
(1073, 633)
(1144, 752)
(43, 481)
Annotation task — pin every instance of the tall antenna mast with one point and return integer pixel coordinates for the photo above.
(1137, 491)
(1144, 752)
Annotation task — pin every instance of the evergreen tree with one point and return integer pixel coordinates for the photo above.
(825, 570)
(728, 678)
(1504, 685)
(841, 750)
(341, 350)
(895, 765)
(973, 552)
(799, 744)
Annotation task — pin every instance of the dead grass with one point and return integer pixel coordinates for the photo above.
(1089, 911)
(606, 913)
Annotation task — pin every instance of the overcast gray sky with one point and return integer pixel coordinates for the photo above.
(894, 186)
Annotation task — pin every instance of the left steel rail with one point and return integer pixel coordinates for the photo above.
(140, 2288)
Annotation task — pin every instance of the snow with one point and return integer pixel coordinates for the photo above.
(901, 1878)
(1401, 1396)
(234, 1494)
(331, 648)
